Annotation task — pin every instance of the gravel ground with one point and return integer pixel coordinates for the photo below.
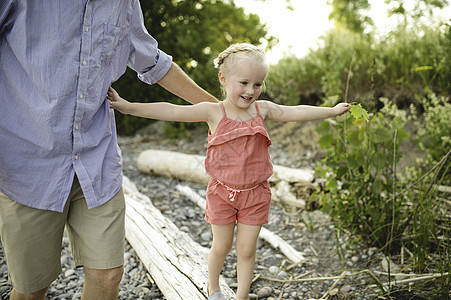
(311, 232)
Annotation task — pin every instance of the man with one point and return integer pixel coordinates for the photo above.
(59, 160)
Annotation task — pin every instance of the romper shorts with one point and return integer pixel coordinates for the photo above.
(32, 238)
(249, 207)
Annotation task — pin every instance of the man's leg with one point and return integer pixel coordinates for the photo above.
(102, 284)
(31, 239)
(39, 295)
(97, 239)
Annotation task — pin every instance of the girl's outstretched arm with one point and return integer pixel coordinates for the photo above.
(301, 113)
(161, 110)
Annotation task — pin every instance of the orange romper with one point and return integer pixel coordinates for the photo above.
(239, 165)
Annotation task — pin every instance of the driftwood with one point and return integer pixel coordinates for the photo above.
(186, 167)
(176, 263)
(190, 168)
(274, 240)
(281, 192)
(410, 280)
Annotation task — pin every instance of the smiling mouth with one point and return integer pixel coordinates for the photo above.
(247, 98)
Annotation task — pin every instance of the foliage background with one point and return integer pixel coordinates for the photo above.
(403, 80)
(193, 33)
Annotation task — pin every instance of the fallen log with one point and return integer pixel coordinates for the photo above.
(186, 167)
(190, 168)
(177, 264)
(281, 192)
(274, 240)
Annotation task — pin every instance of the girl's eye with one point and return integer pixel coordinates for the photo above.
(258, 85)
(243, 82)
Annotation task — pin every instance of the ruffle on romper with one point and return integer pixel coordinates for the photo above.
(238, 154)
(231, 130)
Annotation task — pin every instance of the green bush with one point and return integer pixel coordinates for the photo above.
(416, 57)
(323, 71)
(429, 226)
(434, 127)
(359, 173)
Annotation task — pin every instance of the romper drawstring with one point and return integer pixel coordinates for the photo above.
(234, 192)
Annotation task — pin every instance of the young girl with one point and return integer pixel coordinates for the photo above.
(237, 155)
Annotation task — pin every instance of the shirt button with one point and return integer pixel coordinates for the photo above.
(76, 127)
(76, 156)
(84, 63)
(86, 29)
(81, 96)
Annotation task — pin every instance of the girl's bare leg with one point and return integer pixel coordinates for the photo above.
(246, 243)
(222, 243)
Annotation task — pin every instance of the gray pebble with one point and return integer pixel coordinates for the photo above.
(345, 289)
(264, 292)
(206, 236)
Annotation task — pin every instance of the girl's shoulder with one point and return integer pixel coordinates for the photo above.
(215, 113)
(264, 106)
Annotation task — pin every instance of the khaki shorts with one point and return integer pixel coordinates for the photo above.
(32, 238)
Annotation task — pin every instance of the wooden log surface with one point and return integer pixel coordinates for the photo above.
(274, 240)
(190, 168)
(177, 263)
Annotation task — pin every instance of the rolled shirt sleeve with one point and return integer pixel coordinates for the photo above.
(145, 58)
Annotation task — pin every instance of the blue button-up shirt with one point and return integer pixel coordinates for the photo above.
(57, 60)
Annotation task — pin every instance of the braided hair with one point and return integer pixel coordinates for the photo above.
(228, 59)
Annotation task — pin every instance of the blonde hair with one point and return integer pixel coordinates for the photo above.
(228, 59)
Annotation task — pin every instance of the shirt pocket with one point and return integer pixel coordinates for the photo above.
(112, 42)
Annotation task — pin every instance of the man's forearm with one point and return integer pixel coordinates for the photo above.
(178, 82)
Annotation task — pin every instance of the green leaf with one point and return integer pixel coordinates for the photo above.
(332, 184)
(377, 187)
(397, 123)
(402, 135)
(342, 171)
(323, 128)
(380, 135)
(358, 112)
(353, 162)
(378, 160)
(326, 141)
(354, 138)
(423, 68)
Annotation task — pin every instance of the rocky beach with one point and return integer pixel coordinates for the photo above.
(334, 261)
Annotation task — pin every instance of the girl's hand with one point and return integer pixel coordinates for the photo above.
(117, 102)
(342, 108)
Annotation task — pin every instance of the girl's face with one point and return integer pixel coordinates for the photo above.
(244, 84)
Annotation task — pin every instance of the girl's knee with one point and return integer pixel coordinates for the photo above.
(221, 249)
(245, 250)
